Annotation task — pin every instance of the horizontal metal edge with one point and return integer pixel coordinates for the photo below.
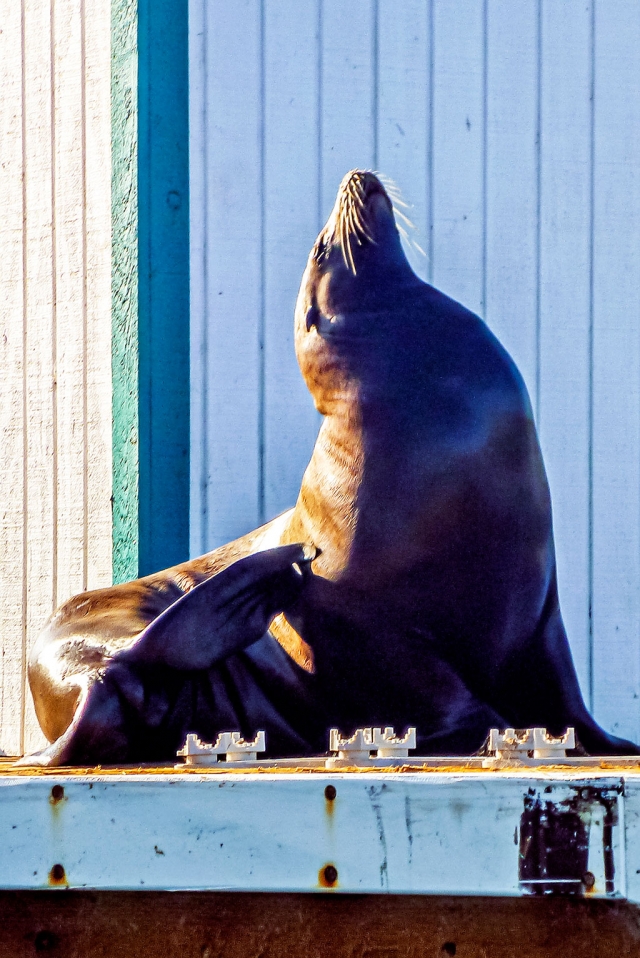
(423, 832)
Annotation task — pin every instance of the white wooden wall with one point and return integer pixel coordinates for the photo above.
(514, 130)
(55, 326)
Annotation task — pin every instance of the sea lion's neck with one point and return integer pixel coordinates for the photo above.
(326, 510)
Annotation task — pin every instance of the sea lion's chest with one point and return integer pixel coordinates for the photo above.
(446, 457)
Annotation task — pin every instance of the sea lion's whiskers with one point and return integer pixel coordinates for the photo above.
(398, 204)
(345, 243)
(351, 225)
(361, 225)
(393, 190)
(405, 219)
(357, 226)
(349, 236)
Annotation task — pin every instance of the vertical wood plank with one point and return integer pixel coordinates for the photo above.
(563, 402)
(97, 163)
(348, 93)
(291, 171)
(198, 197)
(41, 317)
(511, 180)
(403, 114)
(45, 523)
(616, 367)
(70, 327)
(234, 268)
(125, 367)
(12, 426)
(458, 139)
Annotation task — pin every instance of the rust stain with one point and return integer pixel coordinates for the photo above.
(589, 882)
(328, 876)
(58, 877)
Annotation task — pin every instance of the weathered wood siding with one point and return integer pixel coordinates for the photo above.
(55, 327)
(514, 130)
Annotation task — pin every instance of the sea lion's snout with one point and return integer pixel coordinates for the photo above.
(373, 189)
(355, 262)
(361, 212)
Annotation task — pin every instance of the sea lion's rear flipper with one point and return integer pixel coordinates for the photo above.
(539, 687)
(100, 732)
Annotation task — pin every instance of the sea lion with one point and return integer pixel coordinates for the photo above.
(433, 598)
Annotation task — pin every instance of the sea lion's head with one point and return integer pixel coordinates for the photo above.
(355, 271)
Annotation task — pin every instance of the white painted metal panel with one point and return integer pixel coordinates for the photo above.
(511, 172)
(349, 92)
(234, 269)
(616, 367)
(458, 151)
(563, 412)
(290, 195)
(431, 833)
(404, 110)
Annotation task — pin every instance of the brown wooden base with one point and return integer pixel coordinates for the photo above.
(208, 925)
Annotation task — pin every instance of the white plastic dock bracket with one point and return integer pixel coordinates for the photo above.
(357, 749)
(229, 744)
(390, 745)
(528, 746)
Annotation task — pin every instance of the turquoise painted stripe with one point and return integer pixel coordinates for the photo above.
(124, 286)
(151, 285)
(163, 177)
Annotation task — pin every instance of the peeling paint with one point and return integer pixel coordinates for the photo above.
(57, 877)
(409, 826)
(374, 792)
(566, 842)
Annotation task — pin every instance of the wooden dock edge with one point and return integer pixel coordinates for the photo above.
(77, 924)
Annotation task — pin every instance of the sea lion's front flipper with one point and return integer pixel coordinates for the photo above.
(226, 613)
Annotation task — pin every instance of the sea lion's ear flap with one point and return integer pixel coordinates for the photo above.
(311, 318)
(227, 612)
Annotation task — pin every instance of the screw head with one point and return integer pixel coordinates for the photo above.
(330, 793)
(57, 873)
(330, 874)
